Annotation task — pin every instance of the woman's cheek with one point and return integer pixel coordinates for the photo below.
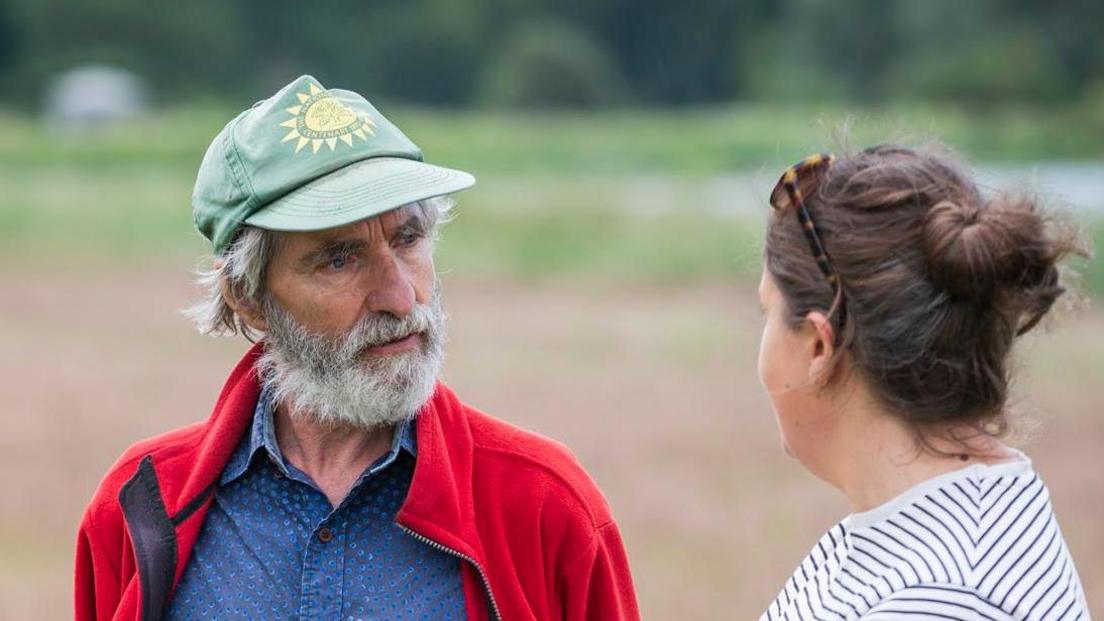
(776, 370)
(771, 359)
(764, 355)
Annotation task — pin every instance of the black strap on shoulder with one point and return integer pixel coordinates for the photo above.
(153, 535)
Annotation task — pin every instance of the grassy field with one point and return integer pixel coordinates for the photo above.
(641, 195)
(601, 279)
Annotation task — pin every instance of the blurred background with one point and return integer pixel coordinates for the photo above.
(601, 276)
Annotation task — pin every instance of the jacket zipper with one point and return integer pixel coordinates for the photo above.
(495, 614)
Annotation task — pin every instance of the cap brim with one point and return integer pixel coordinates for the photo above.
(360, 190)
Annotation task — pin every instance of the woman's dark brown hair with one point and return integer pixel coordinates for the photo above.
(938, 279)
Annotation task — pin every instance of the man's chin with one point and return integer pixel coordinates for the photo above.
(394, 371)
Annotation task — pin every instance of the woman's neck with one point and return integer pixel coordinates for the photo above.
(875, 457)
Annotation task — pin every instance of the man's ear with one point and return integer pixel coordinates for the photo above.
(822, 345)
(249, 312)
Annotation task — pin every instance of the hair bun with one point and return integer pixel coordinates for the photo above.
(976, 249)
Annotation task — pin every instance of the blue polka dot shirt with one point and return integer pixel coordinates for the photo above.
(273, 547)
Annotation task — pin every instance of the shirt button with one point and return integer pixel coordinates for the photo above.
(325, 535)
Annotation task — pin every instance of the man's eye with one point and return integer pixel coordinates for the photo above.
(338, 262)
(409, 238)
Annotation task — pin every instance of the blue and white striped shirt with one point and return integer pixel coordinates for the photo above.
(980, 543)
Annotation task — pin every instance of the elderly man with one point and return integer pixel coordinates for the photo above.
(337, 478)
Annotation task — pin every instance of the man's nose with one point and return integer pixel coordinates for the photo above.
(388, 286)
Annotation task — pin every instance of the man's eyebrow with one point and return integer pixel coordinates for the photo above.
(331, 248)
(414, 222)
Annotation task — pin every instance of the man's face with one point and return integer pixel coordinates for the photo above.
(327, 280)
(354, 327)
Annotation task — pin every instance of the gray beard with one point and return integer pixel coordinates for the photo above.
(328, 380)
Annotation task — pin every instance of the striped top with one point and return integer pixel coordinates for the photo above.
(980, 543)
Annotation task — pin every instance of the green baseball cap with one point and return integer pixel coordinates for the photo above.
(310, 158)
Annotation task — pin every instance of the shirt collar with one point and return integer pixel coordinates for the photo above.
(262, 435)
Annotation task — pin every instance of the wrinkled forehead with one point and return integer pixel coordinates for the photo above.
(291, 245)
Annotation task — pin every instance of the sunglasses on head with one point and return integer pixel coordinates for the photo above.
(798, 181)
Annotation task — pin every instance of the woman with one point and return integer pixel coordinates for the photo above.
(893, 290)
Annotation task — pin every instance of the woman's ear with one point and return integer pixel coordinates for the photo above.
(249, 312)
(822, 354)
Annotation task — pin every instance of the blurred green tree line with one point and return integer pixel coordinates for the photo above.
(572, 53)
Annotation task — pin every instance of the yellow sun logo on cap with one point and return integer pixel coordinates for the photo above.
(321, 119)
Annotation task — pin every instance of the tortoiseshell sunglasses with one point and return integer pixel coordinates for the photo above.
(798, 181)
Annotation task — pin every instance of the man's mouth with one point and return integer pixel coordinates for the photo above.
(397, 346)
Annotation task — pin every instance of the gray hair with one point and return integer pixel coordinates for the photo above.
(242, 266)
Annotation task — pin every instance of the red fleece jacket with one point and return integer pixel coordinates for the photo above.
(535, 534)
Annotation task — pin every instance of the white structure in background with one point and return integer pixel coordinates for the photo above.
(94, 94)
